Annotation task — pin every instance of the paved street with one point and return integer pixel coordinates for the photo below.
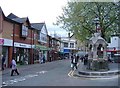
(56, 73)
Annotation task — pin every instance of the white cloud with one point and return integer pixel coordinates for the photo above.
(35, 10)
(57, 30)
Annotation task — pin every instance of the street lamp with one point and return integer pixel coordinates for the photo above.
(69, 45)
(13, 41)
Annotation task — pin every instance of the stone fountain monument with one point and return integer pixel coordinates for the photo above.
(97, 54)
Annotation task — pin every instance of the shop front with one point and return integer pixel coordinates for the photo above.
(6, 44)
(66, 53)
(22, 53)
(39, 51)
(5, 55)
(54, 55)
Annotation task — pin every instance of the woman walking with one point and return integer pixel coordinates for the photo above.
(14, 67)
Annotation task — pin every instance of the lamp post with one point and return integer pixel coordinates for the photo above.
(69, 45)
(13, 40)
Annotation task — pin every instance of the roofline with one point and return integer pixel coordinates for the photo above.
(32, 28)
(2, 13)
(28, 21)
(10, 20)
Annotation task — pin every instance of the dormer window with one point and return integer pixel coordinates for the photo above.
(24, 32)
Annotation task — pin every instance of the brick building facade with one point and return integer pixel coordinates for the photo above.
(25, 41)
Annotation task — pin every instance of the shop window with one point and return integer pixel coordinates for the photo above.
(24, 31)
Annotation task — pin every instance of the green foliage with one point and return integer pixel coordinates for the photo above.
(78, 18)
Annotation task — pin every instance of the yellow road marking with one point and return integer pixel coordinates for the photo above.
(69, 74)
(72, 71)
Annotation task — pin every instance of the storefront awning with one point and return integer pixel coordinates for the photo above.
(42, 47)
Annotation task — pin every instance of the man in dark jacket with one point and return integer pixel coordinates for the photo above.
(3, 61)
(86, 59)
(74, 62)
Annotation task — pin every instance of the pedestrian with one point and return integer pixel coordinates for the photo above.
(74, 62)
(77, 59)
(43, 58)
(72, 57)
(50, 58)
(14, 67)
(3, 61)
(109, 60)
(39, 57)
(82, 58)
(86, 59)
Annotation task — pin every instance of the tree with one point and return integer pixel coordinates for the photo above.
(78, 18)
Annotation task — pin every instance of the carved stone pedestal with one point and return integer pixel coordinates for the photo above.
(98, 65)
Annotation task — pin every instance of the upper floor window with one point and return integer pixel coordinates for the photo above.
(71, 45)
(24, 32)
(43, 37)
(65, 44)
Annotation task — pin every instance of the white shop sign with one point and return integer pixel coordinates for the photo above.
(22, 45)
(8, 42)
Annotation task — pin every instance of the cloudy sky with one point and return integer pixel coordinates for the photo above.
(37, 11)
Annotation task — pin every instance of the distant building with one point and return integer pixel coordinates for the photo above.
(68, 45)
(54, 44)
(79, 45)
(40, 41)
(114, 45)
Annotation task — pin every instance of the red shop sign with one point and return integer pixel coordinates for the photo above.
(1, 41)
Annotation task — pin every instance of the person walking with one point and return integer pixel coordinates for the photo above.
(74, 62)
(3, 61)
(82, 58)
(77, 59)
(86, 59)
(14, 67)
(72, 57)
(43, 58)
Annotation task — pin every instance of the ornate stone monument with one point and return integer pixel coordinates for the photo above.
(97, 54)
